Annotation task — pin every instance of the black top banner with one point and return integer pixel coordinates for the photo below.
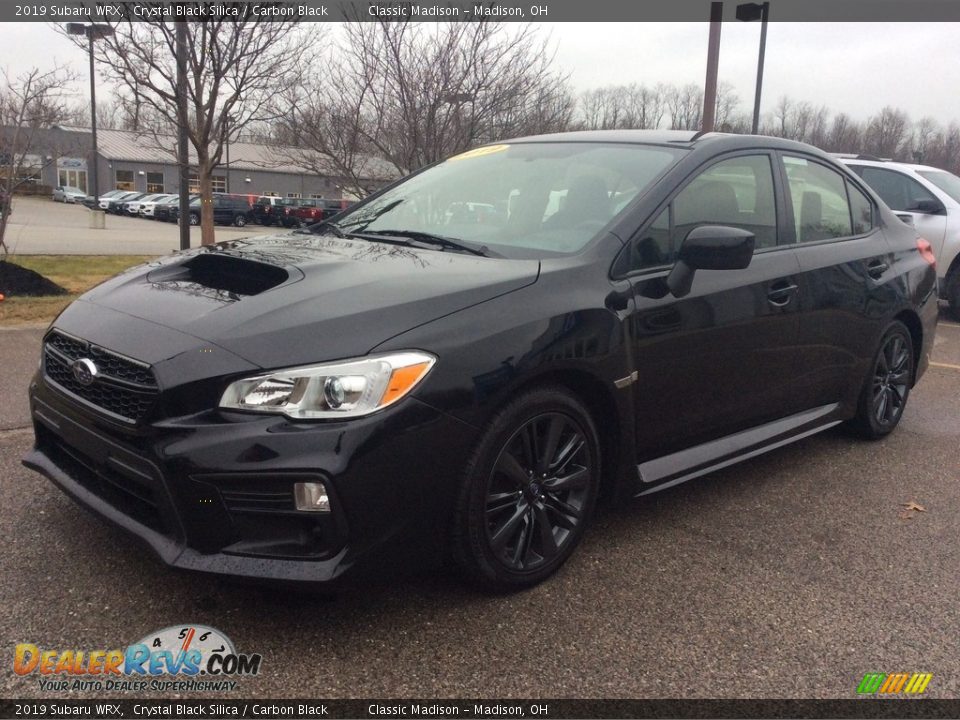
(483, 709)
(465, 11)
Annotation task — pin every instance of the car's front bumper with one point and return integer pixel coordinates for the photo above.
(214, 493)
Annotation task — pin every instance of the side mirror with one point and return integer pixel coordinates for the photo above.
(710, 247)
(927, 206)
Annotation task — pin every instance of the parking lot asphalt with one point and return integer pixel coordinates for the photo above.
(790, 575)
(39, 226)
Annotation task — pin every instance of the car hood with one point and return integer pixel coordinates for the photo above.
(290, 299)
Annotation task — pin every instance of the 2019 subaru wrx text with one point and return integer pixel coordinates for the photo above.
(477, 354)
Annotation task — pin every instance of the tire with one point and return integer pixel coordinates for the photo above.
(512, 528)
(194, 219)
(886, 388)
(240, 221)
(952, 293)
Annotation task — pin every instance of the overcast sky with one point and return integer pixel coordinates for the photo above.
(855, 68)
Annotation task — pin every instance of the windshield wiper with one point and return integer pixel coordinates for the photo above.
(319, 228)
(428, 239)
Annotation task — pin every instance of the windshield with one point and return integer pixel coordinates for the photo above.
(522, 200)
(947, 182)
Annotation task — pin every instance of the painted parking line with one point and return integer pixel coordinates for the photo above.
(945, 365)
(949, 325)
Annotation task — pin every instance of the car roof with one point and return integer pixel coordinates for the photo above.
(689, 139)
(889, 164)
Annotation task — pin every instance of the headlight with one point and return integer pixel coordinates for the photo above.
(349, 388)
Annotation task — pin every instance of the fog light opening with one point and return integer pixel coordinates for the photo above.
(311, 497)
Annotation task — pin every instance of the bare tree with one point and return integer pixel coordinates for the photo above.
(685, 105)
(887, 132)
(726, 106)
(235, 64)
(29, 102)
(414, 93)
(621, 106)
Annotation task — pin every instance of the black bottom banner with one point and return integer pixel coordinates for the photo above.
(483, 709)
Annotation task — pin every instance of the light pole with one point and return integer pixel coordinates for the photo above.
(93, 31)
(748, 12)
(713, 59)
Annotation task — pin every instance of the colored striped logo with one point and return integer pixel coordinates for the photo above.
(890, 684)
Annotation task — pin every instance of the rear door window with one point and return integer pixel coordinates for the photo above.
(818, 196)
(897, 190)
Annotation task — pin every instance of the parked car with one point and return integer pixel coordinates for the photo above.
(115, 204)
(271, 210)
(88, 201)
(227, 210)
(312, 210)
(929, 199)
(164, 209)
(68, 194)
(402, 379)
(132, 207)
(147, 207)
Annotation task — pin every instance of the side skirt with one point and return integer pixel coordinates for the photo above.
(678, 467)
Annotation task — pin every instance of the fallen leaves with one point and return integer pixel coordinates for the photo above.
(910, 509)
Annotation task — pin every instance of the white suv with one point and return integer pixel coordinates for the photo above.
(927, 198)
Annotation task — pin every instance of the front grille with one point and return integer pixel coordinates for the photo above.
(123, 387)
(127, 495)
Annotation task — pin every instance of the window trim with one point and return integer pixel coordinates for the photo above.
(846, 174)
(617, 273)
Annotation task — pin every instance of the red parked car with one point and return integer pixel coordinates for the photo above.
(308, 211)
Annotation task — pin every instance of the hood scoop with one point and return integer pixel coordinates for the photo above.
(219, 276)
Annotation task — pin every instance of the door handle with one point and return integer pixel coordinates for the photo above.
(876, 268)
(781, 292)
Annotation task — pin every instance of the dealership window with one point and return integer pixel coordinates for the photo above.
(125, 180)
(154, 182)
(218, 183)
(73, 178)
(316, 196)
(294, 195)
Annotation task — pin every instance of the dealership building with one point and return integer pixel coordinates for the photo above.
(137, 161)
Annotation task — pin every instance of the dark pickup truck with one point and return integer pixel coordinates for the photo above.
(271, 210)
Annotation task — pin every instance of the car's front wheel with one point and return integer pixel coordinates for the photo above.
(240, 220)
(887, 387)
(528, 492)
(194, 219)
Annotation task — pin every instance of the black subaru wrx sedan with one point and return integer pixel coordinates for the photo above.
(477, 354)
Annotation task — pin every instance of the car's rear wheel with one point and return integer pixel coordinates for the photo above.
(194, 219)
(887, 387)
(529, 491)
(240, 220)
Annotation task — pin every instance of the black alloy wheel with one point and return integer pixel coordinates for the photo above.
(530, 491)
(891, 380)
(884, 396)
(537, 491)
